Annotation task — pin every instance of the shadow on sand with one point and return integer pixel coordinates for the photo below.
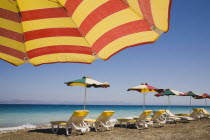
(61, 131)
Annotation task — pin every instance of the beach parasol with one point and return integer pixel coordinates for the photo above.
(87, 82)
(190, 93)
(77, 31)
(169, 92)
(205, 96)
(143, 88)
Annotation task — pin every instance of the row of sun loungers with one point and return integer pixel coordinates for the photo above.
(143, 121)
(78, 123)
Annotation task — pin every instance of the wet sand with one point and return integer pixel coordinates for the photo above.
(194, 130)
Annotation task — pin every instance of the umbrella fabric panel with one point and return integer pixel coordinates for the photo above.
(156, 12)
(172, 92)
(110, 26)
(94, 83)
(50, 35)
(168, 92)
(190, 93)
(79, 82)
(12, 47)
(197, 97)
(158, 94)
(205, 95)
(78, 30)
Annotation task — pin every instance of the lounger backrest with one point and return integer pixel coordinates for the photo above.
(78, 117)
(169, 113)
(204, 111)
(157, 115)
(196, 112)
(104, 117)
(144, 115)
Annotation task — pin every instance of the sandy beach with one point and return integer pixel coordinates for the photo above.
(193, 130)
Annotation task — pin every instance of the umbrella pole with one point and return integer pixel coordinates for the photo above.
(206, 103)
(169, 102)
(85, 98)
(190, 105)
(144, 102)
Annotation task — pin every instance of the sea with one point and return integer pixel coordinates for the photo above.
(20, 116)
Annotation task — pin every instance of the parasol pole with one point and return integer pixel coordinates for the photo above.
(144, 102)
(190, 105)
(85, 98)
(206, 103)
(169, 102)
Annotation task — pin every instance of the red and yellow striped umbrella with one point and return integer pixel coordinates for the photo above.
(50, 31)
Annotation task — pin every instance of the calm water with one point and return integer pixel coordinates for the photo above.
(18, 115)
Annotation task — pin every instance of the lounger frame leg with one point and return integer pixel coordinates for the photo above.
(128, 124)
(67, 130)
(55, 130)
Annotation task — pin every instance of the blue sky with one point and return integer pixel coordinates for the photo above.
(178, 60)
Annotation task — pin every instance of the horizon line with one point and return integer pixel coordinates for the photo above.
(93, 104)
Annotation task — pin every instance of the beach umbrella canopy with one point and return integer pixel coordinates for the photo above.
(190, 93)
(160, 91)
(143, 88)
(197, 97)
(205, 95)
(77, 31)
(169, 92)
(87, 82)
(158, 94)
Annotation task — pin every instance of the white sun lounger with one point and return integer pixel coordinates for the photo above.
(139, 122)
(75, 123)
(157, 119)
(102, 122)
(195, 115)
(204, 113)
